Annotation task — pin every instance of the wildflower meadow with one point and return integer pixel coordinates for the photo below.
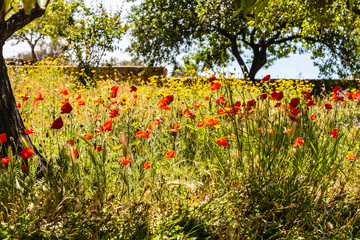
(211, 157)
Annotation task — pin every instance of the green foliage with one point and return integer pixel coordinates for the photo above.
(89, 34)
(249, 8)
(49, 27)
(216, 32)
(27, 5)
(260, 186)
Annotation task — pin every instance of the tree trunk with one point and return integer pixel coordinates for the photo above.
(235, 52)
(33, 54)
(258, 62)
(11, 122)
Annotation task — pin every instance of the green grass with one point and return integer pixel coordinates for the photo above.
(258, 186)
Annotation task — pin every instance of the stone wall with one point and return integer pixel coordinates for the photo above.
(119, 72)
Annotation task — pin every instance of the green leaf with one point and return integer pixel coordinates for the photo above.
(7, 5)
(28, 6)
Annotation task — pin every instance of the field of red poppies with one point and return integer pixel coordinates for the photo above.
(213, 157)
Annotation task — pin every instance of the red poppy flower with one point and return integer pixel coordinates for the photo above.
(108, 125)
(114, 88)
(98, 148)
(66, 108)
(312, 117)
(299, 141)
(158, 119)
(63, 91)
(123, 140)
(310, 103)
(250, 104)
(29, 131)
(164, 102)
(3, 138)
(334, 133)
(336, 89)
(200, 124)
(221, 100)
(212, 79)
(169, 99)
(26, 153)
(351, 156)
(114, 113)
(147, 165)
(26, 97)
(334, 97)
(175, 128)
(78, 97)
(124, 160)
(277, 95)
(210, 121)
(207, 98)
(71, 142)
(163, 105)
(288, 130)
(100, 129)
(88, 136)
(19, 105)
(294, 112)
(141, 134)
(80, 103)
(133, 89)
(294, 102)
(5, 160)
(328, 106)
(189, 113)
(263, 96)
(135, 96)
(307, 95)
(25, 169)
(75, 153)
(39, 97)
(113, 91)
(215, 86)
(222, 111)
(57, 124)
(266, 78)
(170, 153)
(97, 100)
(222, 141)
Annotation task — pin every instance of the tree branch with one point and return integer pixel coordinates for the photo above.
(330, 46)
(20, 20)
(273, 41)
(235, 49)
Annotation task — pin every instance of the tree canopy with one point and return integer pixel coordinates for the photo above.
(49, 27)
(212, 32)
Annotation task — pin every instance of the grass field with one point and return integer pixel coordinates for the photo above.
(214, 158)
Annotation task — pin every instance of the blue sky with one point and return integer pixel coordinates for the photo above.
(296, 66)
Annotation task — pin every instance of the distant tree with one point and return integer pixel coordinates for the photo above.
(89, 35)
(47, 27)
(46, 49)
(215, 32)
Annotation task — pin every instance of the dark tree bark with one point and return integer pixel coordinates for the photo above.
(11, 122)
(258, 62)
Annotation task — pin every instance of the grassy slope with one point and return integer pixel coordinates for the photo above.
(259, 185)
